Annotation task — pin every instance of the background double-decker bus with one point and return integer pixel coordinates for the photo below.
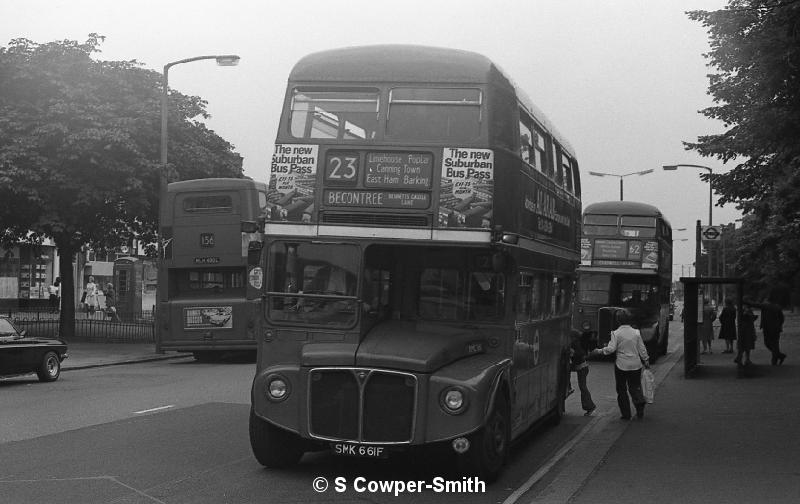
(626, 262)
(420, 257)
(210, 283)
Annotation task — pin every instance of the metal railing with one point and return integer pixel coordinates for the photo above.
(99, 327)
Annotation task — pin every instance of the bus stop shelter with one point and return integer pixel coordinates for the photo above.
(693, 315)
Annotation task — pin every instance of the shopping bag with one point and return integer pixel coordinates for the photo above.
(648, 386)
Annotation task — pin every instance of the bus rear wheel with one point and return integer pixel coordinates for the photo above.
(272, 446)
(489, 446)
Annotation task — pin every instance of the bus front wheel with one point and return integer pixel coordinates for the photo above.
(272, 446)
(489, 446)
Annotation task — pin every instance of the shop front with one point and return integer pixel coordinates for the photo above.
(26, 273)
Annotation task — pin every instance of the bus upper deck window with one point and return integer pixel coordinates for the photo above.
(601, 225)
(638, 227)
(567, 172)
(434, 114)
(208, 204)
(525, 143)
(538, 151)
(346, 114)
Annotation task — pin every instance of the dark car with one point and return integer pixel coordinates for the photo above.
(21, 355)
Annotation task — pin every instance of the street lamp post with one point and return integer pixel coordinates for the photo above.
(710, 191)
(601, 174)
(222, 60)
(225, 60)
(710, 206)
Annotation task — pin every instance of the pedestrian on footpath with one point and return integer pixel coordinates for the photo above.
(631, 356)
(55, 298)
(91, 300)
(772, 326)
(579, 366)
(111, 303)
(727, 322)
(747, 336)
(707, 326)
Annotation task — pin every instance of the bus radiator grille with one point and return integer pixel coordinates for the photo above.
(388, 408)
(334, 404)
(383, 402)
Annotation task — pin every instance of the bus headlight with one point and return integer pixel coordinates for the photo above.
(277, 388)
(453, 400)
(586, 325)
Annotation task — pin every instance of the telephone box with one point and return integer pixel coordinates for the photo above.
(135, 282)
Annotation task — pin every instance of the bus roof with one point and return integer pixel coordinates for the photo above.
(623, 208)
(209, 184)
(399, 63)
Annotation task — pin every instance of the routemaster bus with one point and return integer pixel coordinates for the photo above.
(213, 234)
(626, 262)
(420, 255)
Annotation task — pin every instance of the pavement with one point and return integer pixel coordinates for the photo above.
(84, 355)
(717, 437)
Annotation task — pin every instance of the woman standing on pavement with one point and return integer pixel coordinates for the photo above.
(706, 328)
(727, 322)
(91, 300)
(627, 343)
(747, 336)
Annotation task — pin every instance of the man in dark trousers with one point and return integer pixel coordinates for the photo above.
(772, 325)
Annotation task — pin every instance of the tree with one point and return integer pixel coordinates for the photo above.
(79, 150)
(755, 49)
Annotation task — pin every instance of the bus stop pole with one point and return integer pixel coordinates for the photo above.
(690, 327)
(697, 250)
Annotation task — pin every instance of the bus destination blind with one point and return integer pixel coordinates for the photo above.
(398, 170)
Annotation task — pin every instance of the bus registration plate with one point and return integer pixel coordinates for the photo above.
(359, 450)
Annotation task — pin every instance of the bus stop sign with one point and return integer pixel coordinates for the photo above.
(710, 233)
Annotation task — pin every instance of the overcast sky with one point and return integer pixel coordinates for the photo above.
(623, 80)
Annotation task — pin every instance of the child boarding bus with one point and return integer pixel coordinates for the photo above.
(626, 262)
(419, 263)
(210, 298)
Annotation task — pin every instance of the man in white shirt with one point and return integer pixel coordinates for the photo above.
(627, 343)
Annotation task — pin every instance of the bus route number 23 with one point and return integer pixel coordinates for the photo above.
(341, 168)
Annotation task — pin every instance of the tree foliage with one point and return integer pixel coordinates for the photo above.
(79, 146)
(755, 50)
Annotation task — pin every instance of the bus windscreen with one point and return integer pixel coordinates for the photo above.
(334, 113)
(434, 114)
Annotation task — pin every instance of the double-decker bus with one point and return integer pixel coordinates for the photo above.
(626, 262)
(420, 256)
(210, 281)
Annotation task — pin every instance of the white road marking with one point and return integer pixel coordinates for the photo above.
(153, 409)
